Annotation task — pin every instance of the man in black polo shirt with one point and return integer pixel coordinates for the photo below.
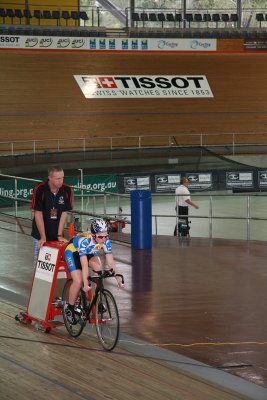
(50, 201)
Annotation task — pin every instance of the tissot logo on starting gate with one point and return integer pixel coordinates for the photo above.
(46, 263)
(123, 86)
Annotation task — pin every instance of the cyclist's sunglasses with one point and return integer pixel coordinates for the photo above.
(102, 236)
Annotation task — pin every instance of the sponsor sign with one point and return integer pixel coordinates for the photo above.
(262, 178)
(184, 44)
(136, 183)
(23, 190)
(106, 43)
(166, 183)
(46, 263)
(101, 183)
(199, 181)
(255, 44)
(239, 179)
(143, 86)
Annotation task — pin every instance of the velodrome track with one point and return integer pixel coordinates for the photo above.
(193, 326)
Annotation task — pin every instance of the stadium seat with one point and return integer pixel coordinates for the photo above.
(65, 15)
(234, 18)
(152, 17)
(10, 14)
(170, 17)
(260, 18)
(178, 18)
(56, 15)
(216, 18)
(38, 15)
(75, 16)
(47, 14)
(3, 14)
(189, 18)
(144, 17)
(135, 18)
(206, 18)
(28, 15)
(225, 19)
(161, 18)
(83, 15)
(19, 14)
(198, 18)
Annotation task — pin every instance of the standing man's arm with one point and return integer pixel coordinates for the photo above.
(39, 219)
(188, 201)
(60, 234)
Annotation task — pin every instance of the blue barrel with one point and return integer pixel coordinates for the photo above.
(141, 219)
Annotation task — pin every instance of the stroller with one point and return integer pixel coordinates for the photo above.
(183, 228)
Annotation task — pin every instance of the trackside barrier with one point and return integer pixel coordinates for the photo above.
(49, 277)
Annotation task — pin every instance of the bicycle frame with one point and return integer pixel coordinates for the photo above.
(99, 309)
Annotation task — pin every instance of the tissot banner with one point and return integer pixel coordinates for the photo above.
(143, 86)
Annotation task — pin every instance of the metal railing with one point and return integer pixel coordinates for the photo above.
(224, 215)
(49, 145)
(112, 17)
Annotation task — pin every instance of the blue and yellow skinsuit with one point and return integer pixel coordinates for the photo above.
(83, 245)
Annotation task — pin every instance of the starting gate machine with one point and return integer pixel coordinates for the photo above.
(45, 303)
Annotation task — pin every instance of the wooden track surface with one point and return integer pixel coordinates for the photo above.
(206, 302)
(41, 99)
(35, 365)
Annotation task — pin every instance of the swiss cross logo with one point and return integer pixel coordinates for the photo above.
(107, 82)
(47, 256)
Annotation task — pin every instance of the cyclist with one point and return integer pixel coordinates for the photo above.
(82, 253)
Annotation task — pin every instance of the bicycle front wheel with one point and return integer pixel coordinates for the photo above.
(107, 320)
(80, 313)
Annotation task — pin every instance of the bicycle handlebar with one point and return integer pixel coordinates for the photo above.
(107, 273)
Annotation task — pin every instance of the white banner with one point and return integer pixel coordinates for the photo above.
(136, 183)
(239, 179)
(106, 44)
(199, 181)
(143, 86)
(167, 183)
(46, 263)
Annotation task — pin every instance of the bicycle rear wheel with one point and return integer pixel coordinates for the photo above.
(107, 320)
(80, 313)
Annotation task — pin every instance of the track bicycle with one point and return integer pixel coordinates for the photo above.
(99, 309)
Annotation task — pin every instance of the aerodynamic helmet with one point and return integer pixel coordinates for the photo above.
(98, 226)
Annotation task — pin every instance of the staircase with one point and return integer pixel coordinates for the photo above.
(116, 33)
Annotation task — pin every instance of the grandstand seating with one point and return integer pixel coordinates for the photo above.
(157, 23)
(26, 15)
(189, 18)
